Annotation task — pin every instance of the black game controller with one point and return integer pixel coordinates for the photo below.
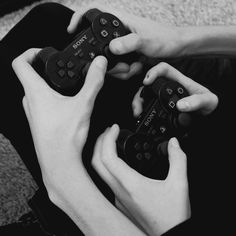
(65, 70)
(145, 148)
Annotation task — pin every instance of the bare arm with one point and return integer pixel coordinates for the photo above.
(215, 40)
(59, 126)
(78, 197)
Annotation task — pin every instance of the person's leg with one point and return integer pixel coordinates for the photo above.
(45, 25)
(210, 149)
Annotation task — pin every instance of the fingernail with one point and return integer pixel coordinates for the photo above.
(115, 129)
(174, 142)
(183, 105)
(101, 62)
(115, 126)
(146, 77)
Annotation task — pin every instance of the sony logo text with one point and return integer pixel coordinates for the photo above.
(150, 117)
(79, 42)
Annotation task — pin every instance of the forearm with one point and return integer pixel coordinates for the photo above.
(214, 40)
(78, 197)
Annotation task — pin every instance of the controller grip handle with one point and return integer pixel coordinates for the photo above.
(183, 121)
(162, 149)
(45, 54)
(39, 64)
(121, 140)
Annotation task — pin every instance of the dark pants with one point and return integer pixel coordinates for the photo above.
(209, 155)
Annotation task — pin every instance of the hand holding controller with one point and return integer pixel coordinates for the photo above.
(145, 149)
(65, 70)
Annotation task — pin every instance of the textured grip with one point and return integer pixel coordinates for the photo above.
(45, 54)
(91, 14)
(41, 60)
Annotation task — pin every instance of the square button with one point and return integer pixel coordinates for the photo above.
(104, 33)
(171, 104)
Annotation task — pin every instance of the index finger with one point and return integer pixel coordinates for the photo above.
(23, 69)
(125, 175)
(166, 70)
(77, 16)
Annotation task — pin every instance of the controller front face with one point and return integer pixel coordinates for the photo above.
(65, 70)
(145, 148)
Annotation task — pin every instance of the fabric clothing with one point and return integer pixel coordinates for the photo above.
(209, 151)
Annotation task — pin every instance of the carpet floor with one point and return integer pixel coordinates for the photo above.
(16, 183)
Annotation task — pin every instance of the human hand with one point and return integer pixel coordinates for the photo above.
(59, 124)
(201, 99)
(154, 205)
(147, 37)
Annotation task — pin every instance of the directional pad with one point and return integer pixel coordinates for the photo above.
(61, 73)
(146, 148)
(70, 64)
(71, 74)
(60, 63)
(142, 150)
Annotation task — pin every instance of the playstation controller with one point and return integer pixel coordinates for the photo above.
(145, 147)
(65, 70)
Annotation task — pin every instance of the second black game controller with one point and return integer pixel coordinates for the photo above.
(65, 70)
(145, 148)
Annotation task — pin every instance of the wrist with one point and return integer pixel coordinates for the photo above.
(192, 41)
(172, 44)
(62, 179)
(181, 42)
(186, 42)
(57, 161)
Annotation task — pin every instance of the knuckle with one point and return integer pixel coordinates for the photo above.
(133, 190)
(94, 162)
(215, 99)
(164, 66)
(123, 76)
(139, 41)
(15, 62)
(182, 156)
(24, 101)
